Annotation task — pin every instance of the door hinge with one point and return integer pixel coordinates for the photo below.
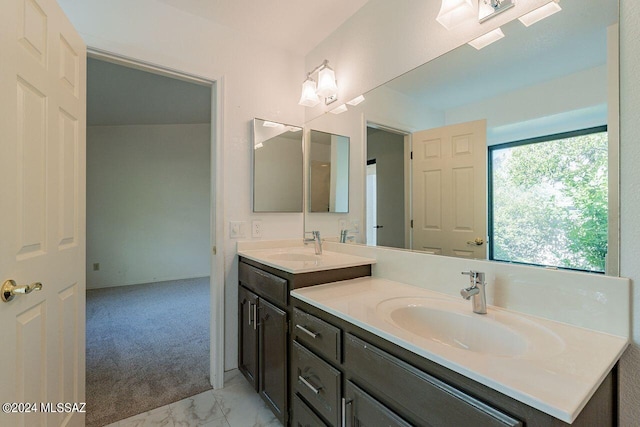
(411, 223)
(412, 155)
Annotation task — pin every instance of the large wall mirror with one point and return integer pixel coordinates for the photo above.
(277, 167)
(328, 172)
(556, 77)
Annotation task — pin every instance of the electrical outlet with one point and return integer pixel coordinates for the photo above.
(236, 230)
(96, 266)
(355, 227)
(256, 228)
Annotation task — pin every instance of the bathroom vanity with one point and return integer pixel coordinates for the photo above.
(264, 313)
(327, 344)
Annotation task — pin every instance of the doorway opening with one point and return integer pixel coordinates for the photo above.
(150, 139)
(388, 186)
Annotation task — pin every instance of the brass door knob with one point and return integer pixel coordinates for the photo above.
(10, 289)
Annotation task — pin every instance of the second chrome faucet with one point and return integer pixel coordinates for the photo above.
(317, 241)
(476, 292)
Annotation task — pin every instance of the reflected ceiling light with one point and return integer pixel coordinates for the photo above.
(489, 8)
(326, 88)
(454, 12)
(340, 109)
(269, 124)
(357, 100)
(258, 145)
(486, 39)
(540, 13)
(293, 129)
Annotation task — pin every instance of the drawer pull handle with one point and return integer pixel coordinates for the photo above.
(306, 331)
(304, 381)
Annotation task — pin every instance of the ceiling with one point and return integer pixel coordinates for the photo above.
(294, 25)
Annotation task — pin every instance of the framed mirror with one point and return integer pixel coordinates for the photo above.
(277, 167)
(555, 77)
(328, 172)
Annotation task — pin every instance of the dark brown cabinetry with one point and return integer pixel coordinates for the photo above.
(264, 347)
(380, 383)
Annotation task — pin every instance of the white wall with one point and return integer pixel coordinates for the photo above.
(147, 203)
(630, 200)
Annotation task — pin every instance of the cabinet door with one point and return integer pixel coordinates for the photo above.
(272, 324)
(362, 410)
(248, 335)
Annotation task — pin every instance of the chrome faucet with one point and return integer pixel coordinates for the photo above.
(344, 236)
(476, 292)
(317, 241)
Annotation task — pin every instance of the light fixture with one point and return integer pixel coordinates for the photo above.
(309, 98)
(293, 129)
(540, 13)
(269, 124)
(486, 39)
(339, 109)
(489, 8)
(326, 87)
(357, 100)
(454, 12)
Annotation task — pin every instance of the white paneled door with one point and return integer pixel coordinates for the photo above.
(449, 190)
(42, 215)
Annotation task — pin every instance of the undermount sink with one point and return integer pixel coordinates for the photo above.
(453, 324)
(293, 257)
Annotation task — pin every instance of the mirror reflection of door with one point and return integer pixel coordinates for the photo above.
(449, 183)
(387, 219)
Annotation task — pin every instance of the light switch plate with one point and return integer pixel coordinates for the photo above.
(236, 230)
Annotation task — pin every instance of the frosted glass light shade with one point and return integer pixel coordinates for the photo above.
(540, 13)
(486, 39)
(309, 98)
(454, 12)
(327, 83)
(339, 109)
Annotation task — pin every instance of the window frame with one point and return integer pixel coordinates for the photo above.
(490, 211)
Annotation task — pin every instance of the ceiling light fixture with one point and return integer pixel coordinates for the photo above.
(454, 12)
(487, 9)
(486, 39)
(325, 88)
(540, 13)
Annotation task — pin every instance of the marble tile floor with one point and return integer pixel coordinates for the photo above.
(236, 405)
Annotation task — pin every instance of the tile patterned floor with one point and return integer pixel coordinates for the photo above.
(236, 405)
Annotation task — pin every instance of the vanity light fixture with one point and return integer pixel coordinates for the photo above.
(454, 12)
(293, 129)
(325, 88)
(339, 109)
(357, 100)
(540, 13)
(487, 9)
(486, 39)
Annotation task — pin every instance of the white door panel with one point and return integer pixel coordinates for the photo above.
(449, 189)
(42, 214)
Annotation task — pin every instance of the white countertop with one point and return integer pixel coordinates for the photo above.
(326, 261)
(558, 380)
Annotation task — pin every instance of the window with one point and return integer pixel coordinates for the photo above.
(548, 200)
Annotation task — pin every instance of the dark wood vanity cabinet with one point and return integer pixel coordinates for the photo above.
(264, 313)
(343, 375)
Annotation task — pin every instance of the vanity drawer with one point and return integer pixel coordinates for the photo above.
(422, 399)
(303, 416)
(318, 335)
(318, 382)
(264, 284)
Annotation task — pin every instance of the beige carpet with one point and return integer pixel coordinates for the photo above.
(147, 346)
